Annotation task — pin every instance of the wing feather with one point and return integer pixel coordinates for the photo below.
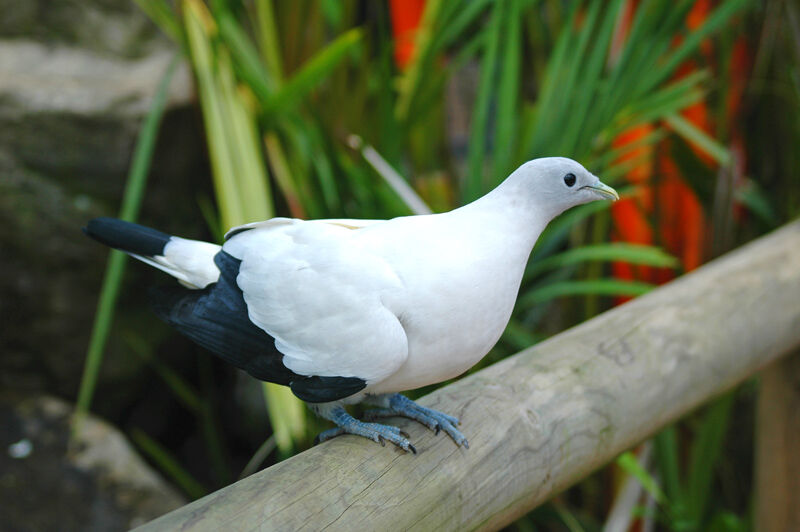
(319, 294)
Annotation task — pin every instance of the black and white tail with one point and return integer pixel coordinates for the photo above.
(191, 262)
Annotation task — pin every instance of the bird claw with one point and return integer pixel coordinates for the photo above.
(328, 434)
(400, 405)
(374, 431)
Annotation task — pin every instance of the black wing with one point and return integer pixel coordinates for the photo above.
(216, 318)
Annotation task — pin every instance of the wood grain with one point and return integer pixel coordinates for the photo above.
(543, 419)
(777, 472)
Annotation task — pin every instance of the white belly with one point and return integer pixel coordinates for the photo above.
(451, 328)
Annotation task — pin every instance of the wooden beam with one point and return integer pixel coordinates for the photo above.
(777, 462)
(541, 420)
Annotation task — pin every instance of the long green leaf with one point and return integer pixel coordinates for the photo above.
(451, 28)
(668, 93)
(258, 457)
(407, 85)
(570, 521)
(507, 94)
(558, 230)
(520, 337)
(651, 35)
(131, 202)
(168, 464)
(623, 252)
(609, 157)
(754, 197)
(190, 398)
(603, 287)
(572, 79)
(659, 103)
(534, 134)
(268, 38)
(239, 174)
(631, 465)
(706, 450)
(666, 450)
(249, 66)
(186, 394)
(161, 13)
(312, 73)
(198, 27)
(699, 138)
(574, 133)
(474, 186)
(717, 18)
(430, 94)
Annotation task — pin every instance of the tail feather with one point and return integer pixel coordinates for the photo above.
(216, 318)
(191, 262)
(127, 236)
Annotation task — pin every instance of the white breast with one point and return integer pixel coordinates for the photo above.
(455, 308)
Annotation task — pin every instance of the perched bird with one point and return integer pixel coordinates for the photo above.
(345, 311)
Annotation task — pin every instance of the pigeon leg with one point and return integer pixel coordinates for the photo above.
(400, 405)
(376, 432)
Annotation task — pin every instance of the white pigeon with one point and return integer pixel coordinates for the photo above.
(345, 311)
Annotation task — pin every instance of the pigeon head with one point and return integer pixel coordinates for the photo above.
(551, 185)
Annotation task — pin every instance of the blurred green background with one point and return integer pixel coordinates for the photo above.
(376, 109)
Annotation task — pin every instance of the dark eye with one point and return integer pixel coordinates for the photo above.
(569, 179)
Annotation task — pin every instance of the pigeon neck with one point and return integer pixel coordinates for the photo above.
(512, 207)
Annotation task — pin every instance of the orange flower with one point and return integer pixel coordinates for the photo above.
(406, 16)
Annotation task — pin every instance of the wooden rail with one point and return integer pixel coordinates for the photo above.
(777, 463)
(541, 420)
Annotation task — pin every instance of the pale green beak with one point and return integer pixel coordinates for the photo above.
(604, 191)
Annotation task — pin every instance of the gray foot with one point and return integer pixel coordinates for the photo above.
(376, 432)
(400, 405)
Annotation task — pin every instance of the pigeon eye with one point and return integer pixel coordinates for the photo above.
(569, 179)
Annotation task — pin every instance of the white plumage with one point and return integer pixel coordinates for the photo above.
(399, 304)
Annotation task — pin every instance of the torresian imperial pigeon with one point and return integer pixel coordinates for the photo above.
(348, 311)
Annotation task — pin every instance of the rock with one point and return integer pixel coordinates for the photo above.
(115, 27)
(75, 84)
(101, 485)
(73, 115)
